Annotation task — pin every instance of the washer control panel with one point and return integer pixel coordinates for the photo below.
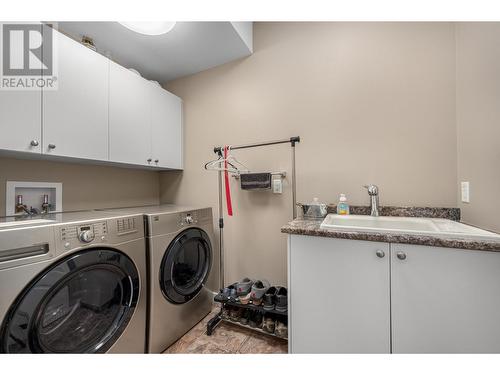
(103, 232)
(85, 233)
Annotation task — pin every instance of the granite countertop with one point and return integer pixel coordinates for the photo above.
(312, 227)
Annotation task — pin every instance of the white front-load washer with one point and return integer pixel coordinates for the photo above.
(76, 284)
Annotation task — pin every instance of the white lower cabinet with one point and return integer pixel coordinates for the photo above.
(445, 300)
(415, 299)
(339, 296)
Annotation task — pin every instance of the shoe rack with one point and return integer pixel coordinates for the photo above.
(274, 314)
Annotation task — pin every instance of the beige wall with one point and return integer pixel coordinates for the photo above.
(373, 103)
(84, 186)
(478, 121)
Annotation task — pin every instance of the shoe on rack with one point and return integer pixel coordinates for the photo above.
(268, 325)
(258, 289)
(244, 300)
(281, 299)
(226, 311)
(235, 314)
(233, 294)
(269, 298)
(255, 320)
(225, 293)
(245, 317)
(281, 330)
(244, 286)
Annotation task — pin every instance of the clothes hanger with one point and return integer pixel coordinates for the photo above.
(234, 165)
(217, 165)
(231, 160)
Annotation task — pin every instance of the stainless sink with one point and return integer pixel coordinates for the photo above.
(411, 225)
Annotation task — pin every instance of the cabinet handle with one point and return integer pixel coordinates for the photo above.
(34, 143)
(380, 253)
(149, 160)
(401, 255)
(52, 146)
(157, 160)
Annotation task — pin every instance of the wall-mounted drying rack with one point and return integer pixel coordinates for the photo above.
(220, 152)
(281, 174)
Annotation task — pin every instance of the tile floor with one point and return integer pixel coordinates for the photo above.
(226, 339)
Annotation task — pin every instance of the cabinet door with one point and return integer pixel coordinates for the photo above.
(129, 117)
(75, 116)
(166, 127)
(445, 300)
(339, 296)
(20, 115)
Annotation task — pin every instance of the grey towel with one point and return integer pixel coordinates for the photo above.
(255, 181)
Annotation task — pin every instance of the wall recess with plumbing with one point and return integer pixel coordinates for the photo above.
(31, 198)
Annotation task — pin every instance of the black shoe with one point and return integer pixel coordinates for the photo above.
(269, 298)
(245, 317)
(236, 314)
(255, 320)
(282, 299)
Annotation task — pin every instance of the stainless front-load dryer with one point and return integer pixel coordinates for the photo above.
(74, 285)
(183, 270)
(183, 273)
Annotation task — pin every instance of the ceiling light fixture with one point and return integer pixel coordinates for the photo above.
(149, 28)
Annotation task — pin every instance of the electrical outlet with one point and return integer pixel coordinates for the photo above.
(465, 191)
(277, 186)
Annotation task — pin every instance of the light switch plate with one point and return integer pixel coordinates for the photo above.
(465, 191)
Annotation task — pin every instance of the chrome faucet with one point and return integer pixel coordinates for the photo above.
(45, 204)
(373, 193)
(21, 207)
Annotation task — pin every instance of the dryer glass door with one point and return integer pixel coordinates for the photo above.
(82, 304)
(186, 265)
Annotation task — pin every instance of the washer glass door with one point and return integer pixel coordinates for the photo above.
(185, 266)
(80, 305)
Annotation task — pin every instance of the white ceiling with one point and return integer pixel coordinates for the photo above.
(189, 48)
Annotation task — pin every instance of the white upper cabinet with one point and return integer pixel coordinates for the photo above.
(166, 128)
(20, 117)
(20, 121)
(75, 116)
(99, 111)
(129, 117)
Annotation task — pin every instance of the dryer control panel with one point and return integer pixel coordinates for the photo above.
(188, 218)
(173, 222)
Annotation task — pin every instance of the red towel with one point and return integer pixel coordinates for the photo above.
(226, 180)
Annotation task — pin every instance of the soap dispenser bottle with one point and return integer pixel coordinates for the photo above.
(342, 206)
